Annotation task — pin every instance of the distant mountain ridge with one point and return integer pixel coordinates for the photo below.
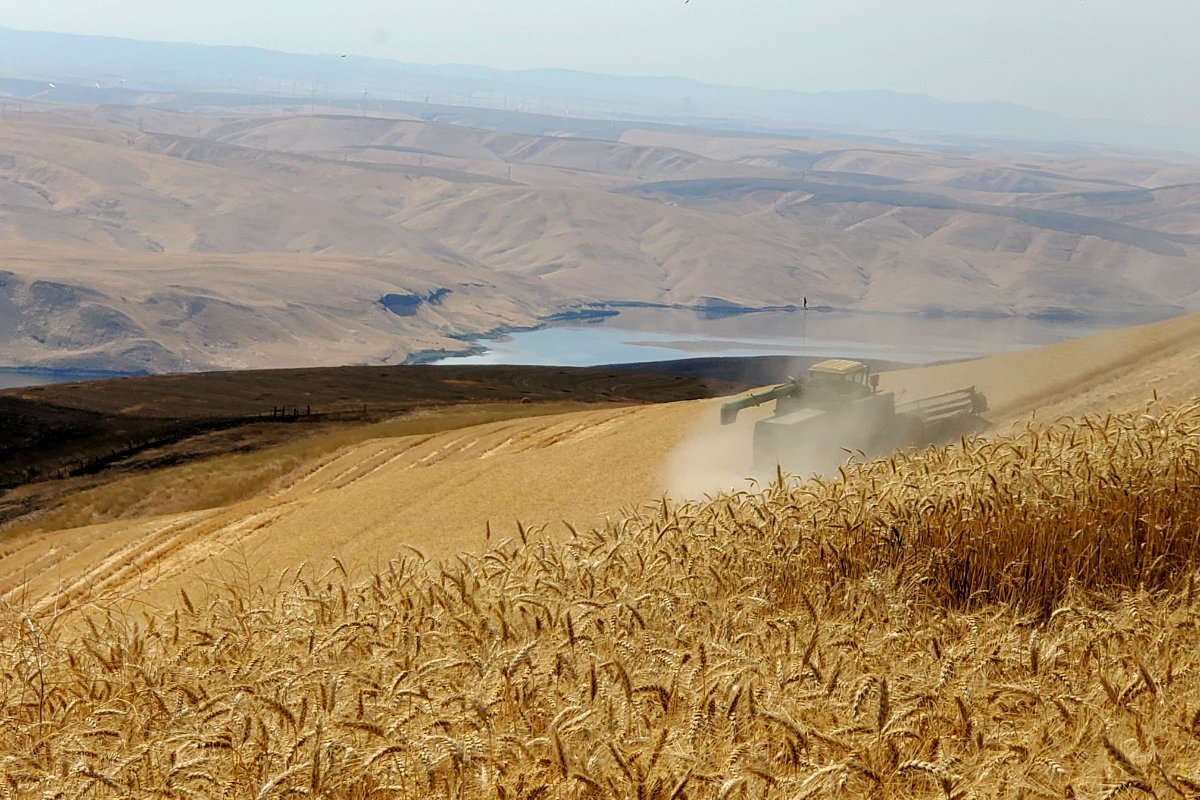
(98, 62)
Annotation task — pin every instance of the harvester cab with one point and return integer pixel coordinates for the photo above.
(838, 380)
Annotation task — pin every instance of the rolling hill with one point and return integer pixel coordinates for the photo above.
(143, 239)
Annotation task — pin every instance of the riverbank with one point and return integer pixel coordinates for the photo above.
(640, 332)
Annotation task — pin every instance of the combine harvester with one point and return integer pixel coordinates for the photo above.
(837, 408)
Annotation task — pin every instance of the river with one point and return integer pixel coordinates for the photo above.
(644, 334)
(661, 334)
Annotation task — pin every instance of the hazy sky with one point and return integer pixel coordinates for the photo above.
(1091, 58)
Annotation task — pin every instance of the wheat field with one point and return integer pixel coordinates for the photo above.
(1012, 617)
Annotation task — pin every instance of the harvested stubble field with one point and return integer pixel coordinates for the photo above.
(1013, 617)
(437, 481)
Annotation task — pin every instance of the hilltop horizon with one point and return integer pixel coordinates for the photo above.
(108, 68)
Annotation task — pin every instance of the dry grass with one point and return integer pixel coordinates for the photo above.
(805, 641)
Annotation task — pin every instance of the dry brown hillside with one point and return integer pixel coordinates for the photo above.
(143, 239)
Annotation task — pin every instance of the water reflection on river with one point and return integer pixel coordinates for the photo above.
(644, 334)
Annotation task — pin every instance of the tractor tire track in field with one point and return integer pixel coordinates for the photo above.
(14, 583)
(161, 554)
